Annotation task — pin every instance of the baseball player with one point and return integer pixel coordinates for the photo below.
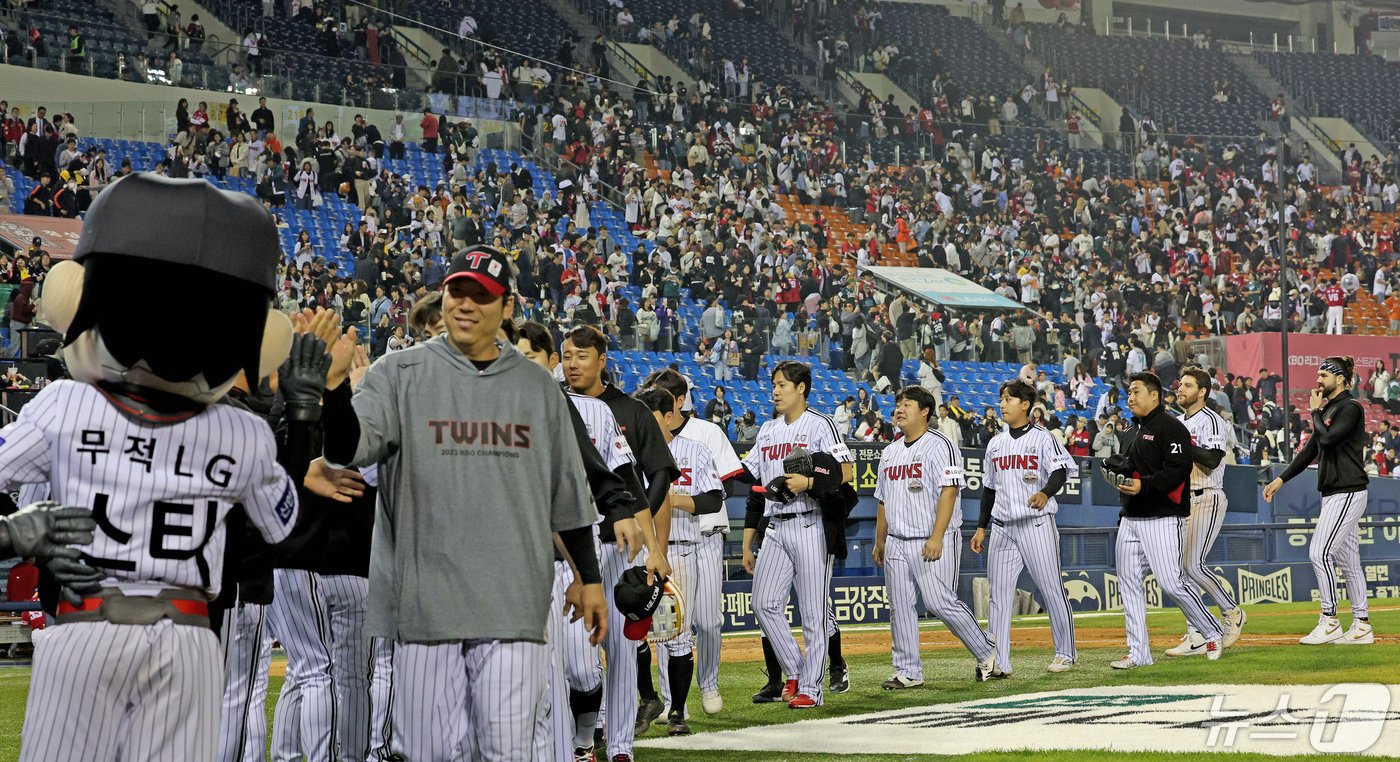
(698, 491)
(1338, 444)
(795, 550)
(1209, 438)
(917, 541)
(584, 360)
(484, 433)
(1152, 478)
(1025, 467)
(133, 670)
(1336, 298)
(705, 610)
(576, 679)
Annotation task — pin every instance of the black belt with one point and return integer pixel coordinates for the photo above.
(683, 542)
(998, 522)
(786, 516)
(909, 539)
(1199, 492)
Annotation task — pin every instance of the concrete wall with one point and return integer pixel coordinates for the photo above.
(1342, 132)
(883, 87)
(1308, 16)
(658, 63)
(136, 111)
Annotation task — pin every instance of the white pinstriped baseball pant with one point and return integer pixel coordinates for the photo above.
(477, 699)
(102, 692)
(346, 598)
(1033, 544)
(1336, 544)
(1155, 544)
(304, 722)
(794, 553)
(247, 654)
(909, 577)
(684, 560)
(706, 612)
(1202, 529)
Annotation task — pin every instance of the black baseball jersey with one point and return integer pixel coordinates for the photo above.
(643, 435)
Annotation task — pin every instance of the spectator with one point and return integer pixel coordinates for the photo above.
(746, 430)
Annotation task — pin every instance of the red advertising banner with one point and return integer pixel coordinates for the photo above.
(1247, 353)
(60, 235)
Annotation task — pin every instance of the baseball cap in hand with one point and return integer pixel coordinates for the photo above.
(486, 265)
(637, 601)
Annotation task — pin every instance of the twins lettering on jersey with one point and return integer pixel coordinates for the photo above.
(781, 451)
(482, 433)
(1017, 462)
(904, 471)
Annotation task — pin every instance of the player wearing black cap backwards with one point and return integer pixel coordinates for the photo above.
(1338, 444)
(478, 467)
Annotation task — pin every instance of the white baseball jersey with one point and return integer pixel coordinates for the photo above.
(602, 428)
(777, 438)
(912, 474)
(159, 492)
(1018, 467)
(727, 462)
(698, 476)
(1208, 431)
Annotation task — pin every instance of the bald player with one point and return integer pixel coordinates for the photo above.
(1209, 438)
(1024, 468)
(695, 493)
(794, 548)
(918, 540)
(585, 358)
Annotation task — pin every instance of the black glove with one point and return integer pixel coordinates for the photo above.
(302, 378)
(799, 462)
(44, 530)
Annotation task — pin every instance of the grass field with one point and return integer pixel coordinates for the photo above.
(1262, 657)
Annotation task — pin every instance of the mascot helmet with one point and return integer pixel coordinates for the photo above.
(171, 288)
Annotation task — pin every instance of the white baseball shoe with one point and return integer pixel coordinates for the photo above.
(712, 703)
(1060, 664)
(1360, 634)
(1214, 649)
(1328, 629)
(986, 669)
(1126, 663)
(900, 682)
(1192, 643)
(1234, 624)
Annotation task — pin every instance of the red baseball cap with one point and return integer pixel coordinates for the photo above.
(486, 265)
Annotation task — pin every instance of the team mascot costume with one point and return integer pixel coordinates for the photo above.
(167, 300)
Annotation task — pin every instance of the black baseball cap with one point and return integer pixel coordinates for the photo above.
(486, 265)
(637, 601)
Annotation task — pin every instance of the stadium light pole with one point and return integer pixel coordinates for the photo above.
(1287, 312)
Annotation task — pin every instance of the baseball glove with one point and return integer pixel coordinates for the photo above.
(668, 621)
(798, 462)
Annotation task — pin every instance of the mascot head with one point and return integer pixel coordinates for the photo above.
(170, 289)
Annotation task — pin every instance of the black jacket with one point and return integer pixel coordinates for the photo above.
(1159, 454)
(1338, 444)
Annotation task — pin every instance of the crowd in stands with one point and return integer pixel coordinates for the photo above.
(729, 213)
